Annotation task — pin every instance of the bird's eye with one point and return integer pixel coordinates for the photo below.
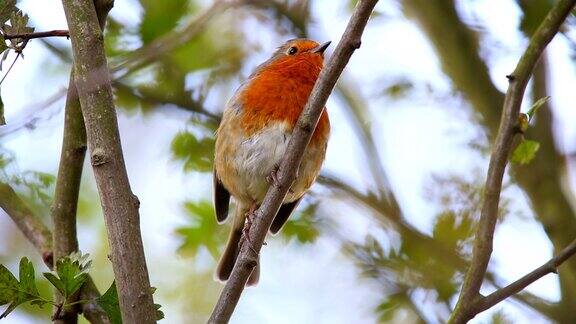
(292, 50)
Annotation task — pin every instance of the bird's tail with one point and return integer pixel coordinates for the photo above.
(228, 258)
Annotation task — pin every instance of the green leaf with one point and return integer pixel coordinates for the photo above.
(539, 103)
(71, 273)
(304, 226)
(18, 25)
(203, 230)
(160, 17)
(6, 9)
(197, 154)
(110, 304)
(17, 292)
(159, 313)
(525, 152)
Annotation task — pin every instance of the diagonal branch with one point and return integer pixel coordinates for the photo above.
(119, 204)
(301, 135)
(502, 147)
(549, 267)
(32, 227)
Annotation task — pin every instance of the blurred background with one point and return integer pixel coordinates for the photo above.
(385, 233)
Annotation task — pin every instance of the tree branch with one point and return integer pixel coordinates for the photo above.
(32, 227)
(74, 145)
(167, 43)
(119, 204)
(51, 33)
(484, 236)
(301, 135)
(549, 267)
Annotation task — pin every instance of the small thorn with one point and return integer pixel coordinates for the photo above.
(510, 77)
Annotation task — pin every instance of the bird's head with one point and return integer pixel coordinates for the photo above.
(296, 58)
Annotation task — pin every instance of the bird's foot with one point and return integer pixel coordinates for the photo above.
(248, 225)
(272, 178)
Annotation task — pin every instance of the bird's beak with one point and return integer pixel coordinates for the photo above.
(321, 48)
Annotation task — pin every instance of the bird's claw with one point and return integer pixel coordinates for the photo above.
(272, 178)
(246, 229)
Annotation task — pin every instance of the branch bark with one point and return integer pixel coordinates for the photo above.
(51, 33)
(457, 47)
(301, 135)
(549, 267)
(74, 146)
(482, 249)
(119, 204)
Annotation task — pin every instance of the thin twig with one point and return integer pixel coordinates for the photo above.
(286, 174)
(484, 236)
(549, 267)
(51, 33)
(10, 68)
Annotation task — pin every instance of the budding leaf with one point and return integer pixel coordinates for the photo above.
(70, 274)
(539, 103)
(109, 303)
(17, 292)
(525, 152)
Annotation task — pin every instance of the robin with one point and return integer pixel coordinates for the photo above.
(252, 138)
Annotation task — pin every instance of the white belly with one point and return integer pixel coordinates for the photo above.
(257, 156)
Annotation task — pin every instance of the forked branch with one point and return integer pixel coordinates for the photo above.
(470, 294)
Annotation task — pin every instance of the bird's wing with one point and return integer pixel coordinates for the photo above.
(221, 199)
(282, 216)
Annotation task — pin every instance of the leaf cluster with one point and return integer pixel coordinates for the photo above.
(70, 273)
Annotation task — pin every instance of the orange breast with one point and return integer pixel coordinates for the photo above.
(279, 93)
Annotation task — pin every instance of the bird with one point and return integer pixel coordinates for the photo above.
(252, 138)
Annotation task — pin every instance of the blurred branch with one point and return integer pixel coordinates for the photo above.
(433, 247)
(549, 267)
(74, 146)
(458, 51)
(51, 33)
(301, 135)
(119, 204)
(149, 53)
(39, 235)
(34, 230)
(502, 147)
(162, 98)
(357, 109)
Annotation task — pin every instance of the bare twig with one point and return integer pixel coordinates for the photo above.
(484, 236)
(549, 267)
(51, 33)
(119, 204)
(74, 145)
(10, 68)
(301, 135)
